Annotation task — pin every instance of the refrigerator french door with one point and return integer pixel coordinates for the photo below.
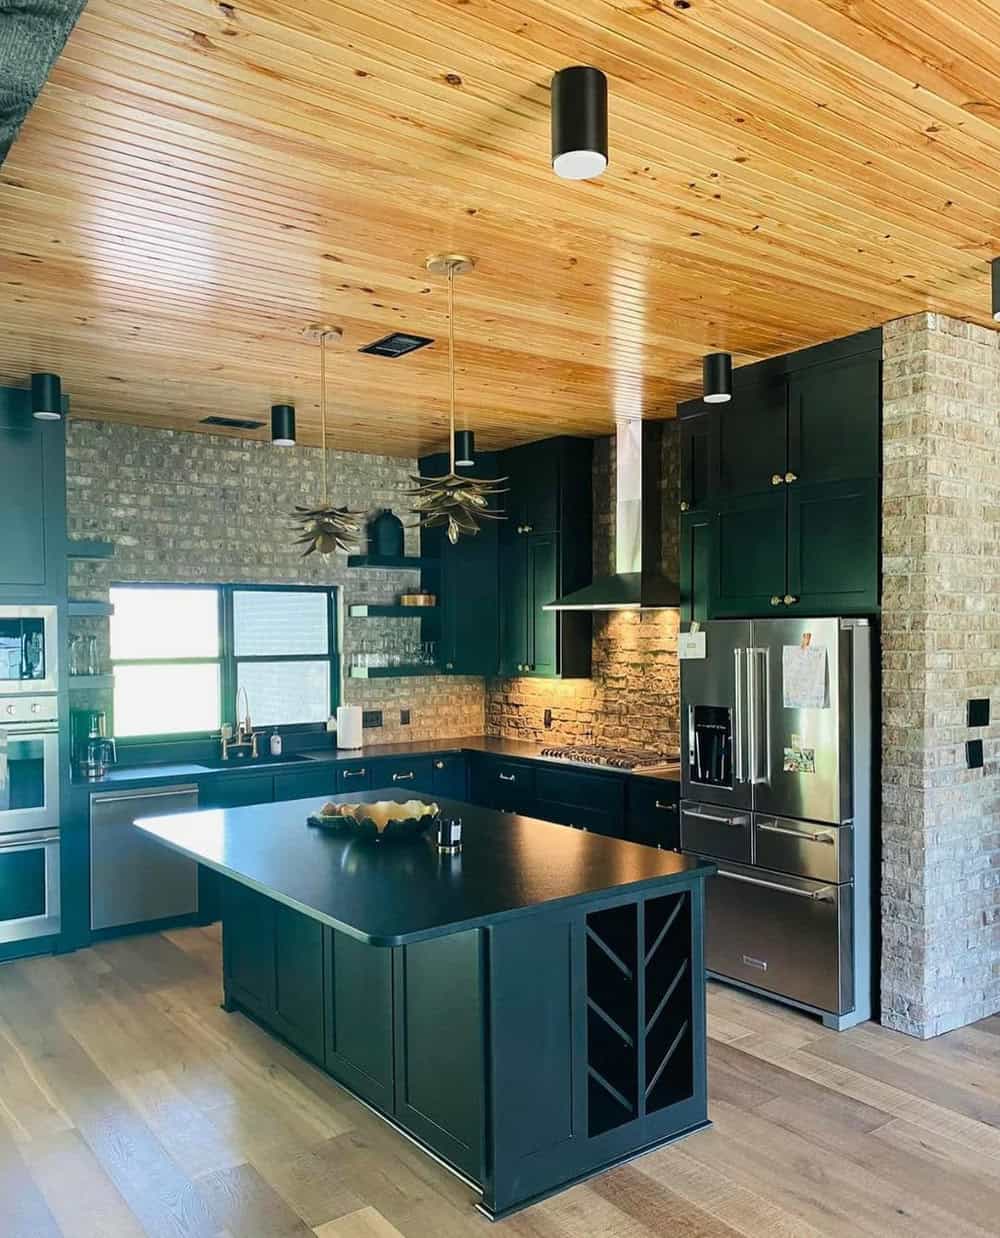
(776, 731)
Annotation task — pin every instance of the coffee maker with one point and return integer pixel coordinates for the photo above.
(92, 750)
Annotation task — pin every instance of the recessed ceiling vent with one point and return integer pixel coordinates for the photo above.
(398, 344)
(232, 423)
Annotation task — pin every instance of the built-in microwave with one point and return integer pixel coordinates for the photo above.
(29, 649)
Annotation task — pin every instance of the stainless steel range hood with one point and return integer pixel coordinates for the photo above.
(637, 582)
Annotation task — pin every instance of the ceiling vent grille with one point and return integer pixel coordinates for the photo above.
(232, 423)
(398, 344)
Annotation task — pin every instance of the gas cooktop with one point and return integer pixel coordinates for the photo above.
(612, 758)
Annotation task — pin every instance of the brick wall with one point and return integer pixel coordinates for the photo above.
(198, 507)
(940, 646)
(633, 696)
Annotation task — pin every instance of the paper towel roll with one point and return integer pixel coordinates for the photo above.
(349, 729)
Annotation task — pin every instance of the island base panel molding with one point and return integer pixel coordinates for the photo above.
(526, 1056)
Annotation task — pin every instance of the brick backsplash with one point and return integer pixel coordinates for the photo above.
(633, 696)
(199, 507)
(940, 646)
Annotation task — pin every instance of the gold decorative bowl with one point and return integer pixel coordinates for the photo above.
(382, 821)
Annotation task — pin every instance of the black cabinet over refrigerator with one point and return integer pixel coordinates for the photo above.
(776, 755)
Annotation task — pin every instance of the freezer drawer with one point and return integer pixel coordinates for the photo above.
(133, 878)
(786, 935)
(823, 852)
(716, 832)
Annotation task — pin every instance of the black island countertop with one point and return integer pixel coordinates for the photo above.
(394, 894)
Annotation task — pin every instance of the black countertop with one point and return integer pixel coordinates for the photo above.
(397, 893)
(123, 776)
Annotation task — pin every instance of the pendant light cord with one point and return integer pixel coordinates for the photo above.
(451, 362)
(322, 412)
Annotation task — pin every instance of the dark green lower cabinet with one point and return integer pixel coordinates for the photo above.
(248, 947)
(440, 1056)
(834, 547)
(358, 998)
(320, 779)
(450, 777)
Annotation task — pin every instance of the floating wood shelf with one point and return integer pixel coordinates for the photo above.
(90, 610)
(362, 610)
(87, 549)
(391, 561)
(392, 672)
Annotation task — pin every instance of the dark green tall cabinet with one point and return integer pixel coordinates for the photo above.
(546, 551)
(780, 488)
(32, 502)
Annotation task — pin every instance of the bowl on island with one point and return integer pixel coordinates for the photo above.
(382, 821)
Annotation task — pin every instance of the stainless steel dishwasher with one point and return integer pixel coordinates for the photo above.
(133, 878)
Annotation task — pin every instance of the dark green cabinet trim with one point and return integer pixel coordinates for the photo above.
(248, 952)
(32, 502)
(298, 982)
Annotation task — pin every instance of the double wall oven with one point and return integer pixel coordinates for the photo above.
(29, 773)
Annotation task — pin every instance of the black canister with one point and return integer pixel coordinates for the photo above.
(385, 535)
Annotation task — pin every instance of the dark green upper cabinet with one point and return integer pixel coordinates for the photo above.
(32, 502)
(833, 422)
(780, 487)
(545, 551)
(465, 580)
(697, 461)
(749, 550)
(751, 437)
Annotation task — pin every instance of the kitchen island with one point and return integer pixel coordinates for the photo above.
(530, 1009)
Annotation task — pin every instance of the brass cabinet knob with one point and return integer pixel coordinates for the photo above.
(684, 506)
(789, 600)
(790, 477)
(776, 479)
(775, 600)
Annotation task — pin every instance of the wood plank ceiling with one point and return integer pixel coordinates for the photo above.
(199, 181)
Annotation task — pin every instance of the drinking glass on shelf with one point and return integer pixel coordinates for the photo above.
(93, 665)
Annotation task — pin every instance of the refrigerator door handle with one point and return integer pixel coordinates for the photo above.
(760, 720)
(738, 724)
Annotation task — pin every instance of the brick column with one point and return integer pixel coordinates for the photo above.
(940, 646)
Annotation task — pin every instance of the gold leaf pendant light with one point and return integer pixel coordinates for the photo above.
(453, 500)
(326, 528)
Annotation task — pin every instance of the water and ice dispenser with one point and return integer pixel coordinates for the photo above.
(710, 746)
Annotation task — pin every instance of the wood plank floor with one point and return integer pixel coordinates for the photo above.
(131, 1104)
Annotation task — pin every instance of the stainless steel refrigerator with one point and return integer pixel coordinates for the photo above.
(776, 757)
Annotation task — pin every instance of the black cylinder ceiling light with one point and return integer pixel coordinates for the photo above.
(46, 397)
(283, 425)
(579, 122)
(717, 378)
(465, 449)
(995, 282)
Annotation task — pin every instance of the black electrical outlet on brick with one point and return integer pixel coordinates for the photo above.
(548, 718)
(371, 717)
(974, 754)
(979, 711)
(404, 717)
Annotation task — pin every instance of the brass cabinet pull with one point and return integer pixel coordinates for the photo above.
(790, 477)
(507, 777)
(789, 600)
(775, 600)
(402, 777)
(776, 479)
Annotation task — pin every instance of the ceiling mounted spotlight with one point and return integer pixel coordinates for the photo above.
(465, 449)
(995, 281)
(283, 425)
(46, 397)
(717, 378)
(579, 122)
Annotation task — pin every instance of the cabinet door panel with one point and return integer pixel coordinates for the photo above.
(699, 454)
(440, 1060)
(359, 1040)
(303, 783)
(697, 535)
(834, 415)
(22, 506)
(353, 776)
(449, 777)
(299, 979)
(543, 585)
(248, 947)
(751, 432)
(236, 791)
(513, 602)
(404, 773)
(833, 547)
(749, 555)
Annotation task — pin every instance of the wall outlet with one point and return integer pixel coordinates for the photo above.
(404, 717)
(547, 718)
(371, 717)
(974, 754)
(979, 711)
